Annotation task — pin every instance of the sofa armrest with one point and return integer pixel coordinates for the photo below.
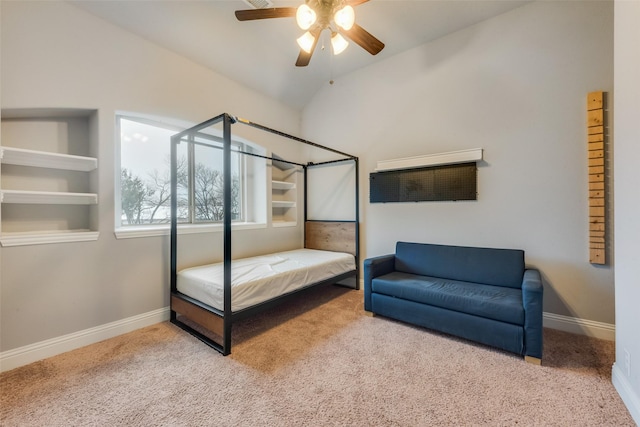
(532, 292)
(374, 267)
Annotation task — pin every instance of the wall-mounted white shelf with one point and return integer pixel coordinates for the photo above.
(284, 223)
(283, 204)
(47, 197)
(449, 158)
(43, 159)
(43, 238)
(282, 185)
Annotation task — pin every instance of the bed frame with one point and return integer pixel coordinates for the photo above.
(213, 326)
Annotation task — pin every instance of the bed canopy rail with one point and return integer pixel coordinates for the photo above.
(213, 325)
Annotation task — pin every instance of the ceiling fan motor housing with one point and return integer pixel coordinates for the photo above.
(325, 10)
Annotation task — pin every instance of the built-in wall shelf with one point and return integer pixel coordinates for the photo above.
(284, 223)
(43, 238)
(49, 181)
(47, 197)
(448, 158)
(284, 194)
(43, 159)
(282, 185)
(283, 204)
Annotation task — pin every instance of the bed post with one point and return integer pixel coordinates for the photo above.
(226, 160)
(357, 219)
(304, 204)
(174, 214)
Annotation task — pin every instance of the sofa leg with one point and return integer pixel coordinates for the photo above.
(370, 313)
(533, 360)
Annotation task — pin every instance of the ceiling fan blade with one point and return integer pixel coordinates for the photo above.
(362, 37)
(304, 58)
(274, 12)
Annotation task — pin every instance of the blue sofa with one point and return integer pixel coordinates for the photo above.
(480, 294)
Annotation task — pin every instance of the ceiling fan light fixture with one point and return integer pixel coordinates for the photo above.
(305, 17)
(316, 16)
(345, 17)
(338, 43)
(306, 41)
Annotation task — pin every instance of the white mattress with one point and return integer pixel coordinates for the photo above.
(260, 278)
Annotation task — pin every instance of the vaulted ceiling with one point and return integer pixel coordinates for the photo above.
(261, 54)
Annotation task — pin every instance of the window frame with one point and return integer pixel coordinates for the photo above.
(192, 226)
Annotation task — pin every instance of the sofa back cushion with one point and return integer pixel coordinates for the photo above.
(498, 267)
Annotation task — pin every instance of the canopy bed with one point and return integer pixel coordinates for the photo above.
(206, 300)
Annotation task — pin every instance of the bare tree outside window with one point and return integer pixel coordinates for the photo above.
(145, 182)
(209, 193)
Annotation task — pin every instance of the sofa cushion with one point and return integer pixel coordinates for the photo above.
(498, 267)
(491, 302)
(487, 331)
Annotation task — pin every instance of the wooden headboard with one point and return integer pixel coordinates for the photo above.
(331, 236)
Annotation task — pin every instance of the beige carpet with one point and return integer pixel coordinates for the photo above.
(319, 362)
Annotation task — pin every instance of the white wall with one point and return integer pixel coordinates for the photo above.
(515, 85)
(627, 204)
(54, 55)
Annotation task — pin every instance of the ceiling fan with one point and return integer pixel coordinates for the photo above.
(315, 16)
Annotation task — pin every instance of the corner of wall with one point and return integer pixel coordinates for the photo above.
(624, 389)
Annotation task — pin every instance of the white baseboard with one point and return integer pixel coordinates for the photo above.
(629, 397)
(31, 353)
(605, 331)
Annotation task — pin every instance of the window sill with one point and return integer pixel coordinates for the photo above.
(133, 232)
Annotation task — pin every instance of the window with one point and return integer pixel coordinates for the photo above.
(208, 183)
(145, 177)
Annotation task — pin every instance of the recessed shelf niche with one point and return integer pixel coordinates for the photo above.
(284, 189)
(48, 187)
